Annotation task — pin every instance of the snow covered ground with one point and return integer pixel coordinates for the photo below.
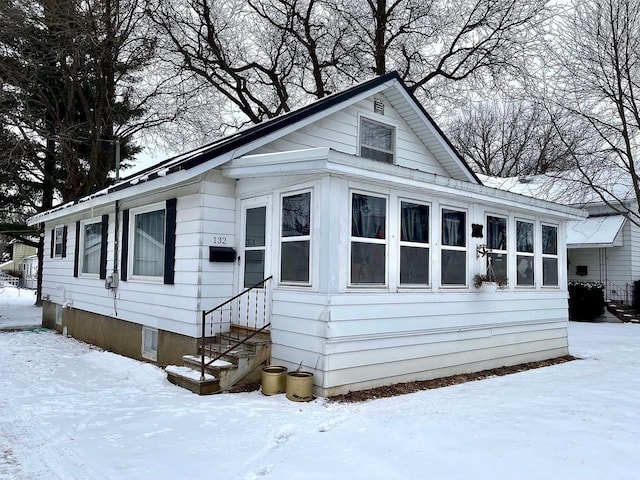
(70, 411)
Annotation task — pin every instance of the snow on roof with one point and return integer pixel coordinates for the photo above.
(594, 231)
(568, 187)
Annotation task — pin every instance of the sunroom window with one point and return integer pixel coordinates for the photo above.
(377, 140)
(497, 243)
(148, 246)
(454, 248)
(296, 238)
(549, 255)
(368, 239)
(524, 253)
(414, 244)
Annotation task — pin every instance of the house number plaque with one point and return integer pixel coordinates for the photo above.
(220, 240)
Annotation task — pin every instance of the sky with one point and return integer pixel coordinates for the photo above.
(73, 411)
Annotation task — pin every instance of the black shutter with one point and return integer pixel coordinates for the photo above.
(170, 242)
(124, 259)
(76, 254)
(53, 240)
(64, 241)
(103, 246)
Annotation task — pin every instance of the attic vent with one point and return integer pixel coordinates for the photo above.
(524, 179)
(378, 106)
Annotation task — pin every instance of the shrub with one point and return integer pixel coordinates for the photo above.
(586, 300)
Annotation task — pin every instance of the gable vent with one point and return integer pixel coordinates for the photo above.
(378, 106)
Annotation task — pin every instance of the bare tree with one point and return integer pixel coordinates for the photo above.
(513, 138)
(598, 77)
(265, 57)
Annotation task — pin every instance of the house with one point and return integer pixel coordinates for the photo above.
(366, 222)
(23, 263)
(603, 248)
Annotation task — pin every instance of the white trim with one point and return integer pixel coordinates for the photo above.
(154, 207)
(375, 241)
(384, 122)
(54, 240)
(80, 240)
(454, 248)
(427, 246)
(519, 253)
(301, 238)
(555, 256)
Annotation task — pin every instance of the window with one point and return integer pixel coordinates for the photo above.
(454, 248)
(150, 343)
(549, 255)
(91, 241)
(296, 238)
(368, 240)
(255, 245)
(524, 253)
(414, 244)
(58, 242)
(377, 140)
(497, 243)
(148, 243)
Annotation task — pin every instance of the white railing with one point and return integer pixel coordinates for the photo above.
(6, 280)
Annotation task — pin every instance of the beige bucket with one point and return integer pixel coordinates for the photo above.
(274, 379)
(300, 386)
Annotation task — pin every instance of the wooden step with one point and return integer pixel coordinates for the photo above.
(189, 378)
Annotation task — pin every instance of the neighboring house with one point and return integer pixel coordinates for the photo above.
(370, 224)
(603, 248)
(21, 263)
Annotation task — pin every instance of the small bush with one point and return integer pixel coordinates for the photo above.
(586, 300)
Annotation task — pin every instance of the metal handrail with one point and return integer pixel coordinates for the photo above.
(203, 365)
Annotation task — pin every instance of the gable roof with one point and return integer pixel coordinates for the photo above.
(216, 153)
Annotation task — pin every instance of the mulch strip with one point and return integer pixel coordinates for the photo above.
(411, 387)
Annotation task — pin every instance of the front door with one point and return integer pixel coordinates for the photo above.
(255, 261)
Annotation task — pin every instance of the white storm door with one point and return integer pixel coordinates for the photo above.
(255, 262)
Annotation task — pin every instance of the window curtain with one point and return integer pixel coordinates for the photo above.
(414, 223)
(368, 217)
(453, 228)
(148, 254)
(91, 248)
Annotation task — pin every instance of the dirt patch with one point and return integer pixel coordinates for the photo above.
(411, 387)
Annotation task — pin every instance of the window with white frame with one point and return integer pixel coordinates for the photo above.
(295, 242)
(148, 242)
(524, 253)
(377, 140)
(414, 243)
(150, 343)
(58, 241)
(497, 243)
(368, 239)
(549, 255)
(453, 254)
(254, 245)
(91, 243)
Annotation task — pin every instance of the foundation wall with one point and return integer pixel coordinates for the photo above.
(115, 335)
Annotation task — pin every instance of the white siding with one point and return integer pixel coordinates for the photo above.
(340, 132)
(355, 341)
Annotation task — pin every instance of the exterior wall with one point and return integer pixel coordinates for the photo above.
(358, 341)
(173, 309)
(340, 132)
(218, 218)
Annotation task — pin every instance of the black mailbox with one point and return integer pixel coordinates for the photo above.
(222, 254)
